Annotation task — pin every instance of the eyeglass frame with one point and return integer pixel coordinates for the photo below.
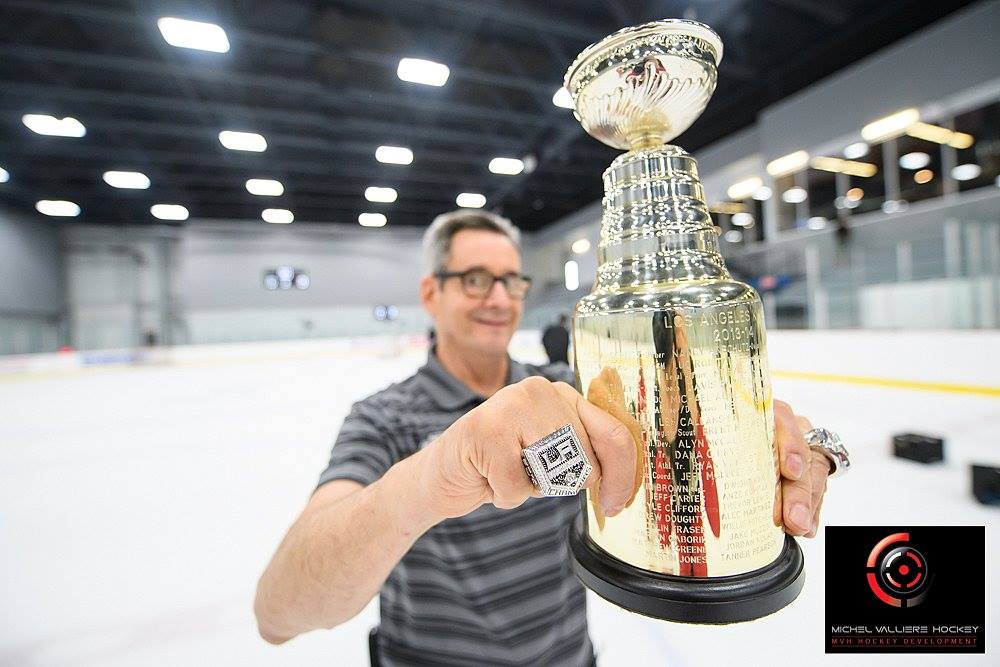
(444, 275)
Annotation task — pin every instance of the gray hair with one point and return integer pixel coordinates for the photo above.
(437, 238)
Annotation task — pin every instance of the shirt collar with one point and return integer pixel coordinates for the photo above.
(451, 393)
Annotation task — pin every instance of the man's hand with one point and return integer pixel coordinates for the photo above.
(478, 459)
(803, 474)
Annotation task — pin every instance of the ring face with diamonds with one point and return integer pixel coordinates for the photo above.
(828, 442)
(557, 464)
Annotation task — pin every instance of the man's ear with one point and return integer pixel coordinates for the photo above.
(428, 295)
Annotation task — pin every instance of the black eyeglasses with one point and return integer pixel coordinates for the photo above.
(477, 283)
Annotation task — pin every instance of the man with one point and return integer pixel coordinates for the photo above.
(555, 340)
(426, 502)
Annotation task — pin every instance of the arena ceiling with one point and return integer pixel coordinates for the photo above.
(319, 81)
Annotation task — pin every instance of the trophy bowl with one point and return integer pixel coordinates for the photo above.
(644, 85)
(675, 348)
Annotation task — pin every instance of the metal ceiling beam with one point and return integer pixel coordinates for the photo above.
(278, 42)
(250, 166)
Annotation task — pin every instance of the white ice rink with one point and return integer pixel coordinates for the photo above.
(140, 504)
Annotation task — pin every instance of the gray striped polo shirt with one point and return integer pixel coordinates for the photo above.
(493, 587)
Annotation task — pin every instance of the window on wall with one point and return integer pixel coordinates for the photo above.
(919, 168)
(979, 164)
(788, 197)
(822, 190)
(864, 194)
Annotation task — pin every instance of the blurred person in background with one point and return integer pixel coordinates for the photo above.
(555, 340)
(425, 501)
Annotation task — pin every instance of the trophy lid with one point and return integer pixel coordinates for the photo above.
(644, 85)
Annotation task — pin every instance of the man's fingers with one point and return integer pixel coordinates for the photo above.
(615, 449)
(819, 470)
(796, 485)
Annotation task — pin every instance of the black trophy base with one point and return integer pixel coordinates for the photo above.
(713, 600)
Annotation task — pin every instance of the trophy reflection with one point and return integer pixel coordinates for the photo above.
(669, 343)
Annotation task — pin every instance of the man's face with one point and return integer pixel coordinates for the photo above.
(476, 324)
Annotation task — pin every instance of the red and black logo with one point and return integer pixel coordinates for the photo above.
(897, 572)
(917, 589)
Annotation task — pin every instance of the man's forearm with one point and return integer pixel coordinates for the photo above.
(335, 559)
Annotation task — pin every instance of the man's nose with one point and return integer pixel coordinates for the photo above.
(498, 294)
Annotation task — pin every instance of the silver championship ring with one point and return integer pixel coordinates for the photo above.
(557, 464)
(828, 443)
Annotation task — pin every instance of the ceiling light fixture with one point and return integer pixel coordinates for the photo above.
(243, 141)
(382, 195)
(193, 34)
(265, 187)
(128, 180)
(426, 72)
(52, 126)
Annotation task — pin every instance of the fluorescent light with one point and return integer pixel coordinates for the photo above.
(856, 150)
(59, 208)
(242, 141)
(733, 236)
(742, 219)
(571, 271)
(892, 125)
(562, 98)
(4, 175)
(763, 193)
(794, 195)
(816, 222)
(787, 164)
(265, 187)
(384, 195)
(940, 135)
(915, 160)
(371, 220)
(966, 172)
(426, 72)
(745, 188)
(581, 246)
(506, 165)
(850, 167)
(277, 216)
(128, 180)
(470, 200)
(169, 211)
(394, 155)
(193, 34)
(52, 126)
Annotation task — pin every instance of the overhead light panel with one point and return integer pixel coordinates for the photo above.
(371, 220)
(265, 187)
(940, 135)
(394, 155)
(470, 200)
(571, 272)
(52, 126)
(562, 98)
(745, 188)
(426, 72)
(383, 195)
(127, 180)
(277, 216)
(890, 126)
(914, 160)
(763, 193)
(966, 172)
(506, 165)
(580, 246)
(58, 208)
(742, 219)
(856, 150)
(169, 211)
(243, 141)
(794, 195)
(4, 175)
(849, 167)
(787, 164)
(193, 34)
